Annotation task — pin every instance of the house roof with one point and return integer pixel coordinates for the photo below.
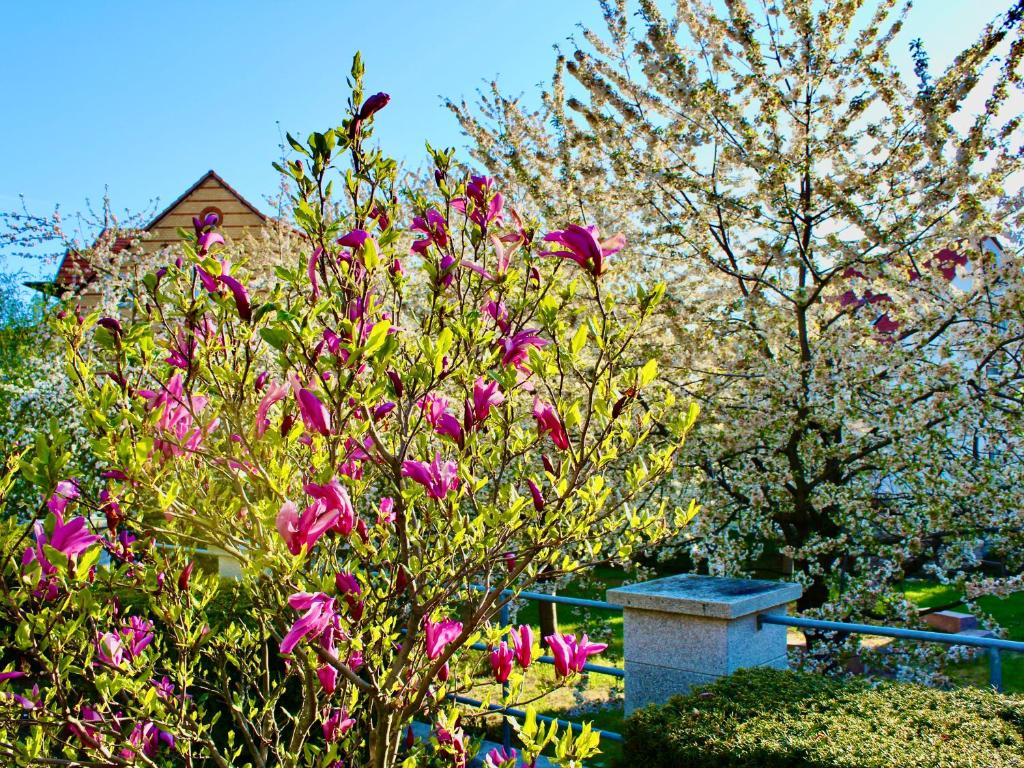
(74, 268)
(211, 174)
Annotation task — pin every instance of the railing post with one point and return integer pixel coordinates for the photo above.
(995, 669)
(687, 630)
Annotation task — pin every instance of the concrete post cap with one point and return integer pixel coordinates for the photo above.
(710, 596)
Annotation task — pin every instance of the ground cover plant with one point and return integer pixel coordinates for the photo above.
(764, 718)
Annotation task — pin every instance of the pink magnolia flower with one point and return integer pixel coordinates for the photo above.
(337, 724)
(439, 634)
(31, 702)
(486, 395)
(185, 576)
(434, 226)
(315, 416)
(213, 283)
(482, 203)
(320, 618)
(275, 393)
(445, 270)
(335, 499)
(176, 418)
(110, 650)
(347, 583)
(206, 223)
(373, 105)
(83, 729)
(355, 239)
(386, 512)
(207, 240)
(538, 497)
(502, 261)
(451, 745)
(439, 478)
(549, 423)
(137, 636)
(66, 491)
(303, 530)
(501, 662)
(499, 313)
(522, 644)
(240, 296)
(70, 539)
(515, 350)
(571, 655)
(164, 687)
(380, 216)
(499, 758)
(328, 677)
(146, 737)
(582, 246)
(435, 411)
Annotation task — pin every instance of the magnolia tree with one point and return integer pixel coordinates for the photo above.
(389, 458)
(37, 401)
(834, 296)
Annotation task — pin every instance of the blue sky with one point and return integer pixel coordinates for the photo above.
(144, 97)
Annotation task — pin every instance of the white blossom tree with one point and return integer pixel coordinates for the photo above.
(837, 301)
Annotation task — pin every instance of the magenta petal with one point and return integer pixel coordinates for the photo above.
(240, 295)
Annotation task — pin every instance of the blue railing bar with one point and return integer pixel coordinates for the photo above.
(579, 602)
(520, 714)
(599, 669)
(899, 632)
(596, 668)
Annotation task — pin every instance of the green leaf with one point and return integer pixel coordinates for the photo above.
(649, 372)
(378, 335)
(579, 340)
(278, 338)
(444, 343)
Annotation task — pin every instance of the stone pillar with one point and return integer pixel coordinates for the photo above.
(688, 630)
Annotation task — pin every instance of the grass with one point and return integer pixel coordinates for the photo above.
(594, 698)
(1007, 612)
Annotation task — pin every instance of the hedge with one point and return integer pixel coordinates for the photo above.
(765, 718)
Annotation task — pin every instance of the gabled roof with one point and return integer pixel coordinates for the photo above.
(211, 174)
(75, 268)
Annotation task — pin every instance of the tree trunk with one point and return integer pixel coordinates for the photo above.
(548, 619)
(384, 740)
(548, 613)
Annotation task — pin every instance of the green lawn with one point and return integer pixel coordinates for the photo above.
(1008, 613)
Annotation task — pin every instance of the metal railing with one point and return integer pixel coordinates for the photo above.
(993, 645)
(504, 620)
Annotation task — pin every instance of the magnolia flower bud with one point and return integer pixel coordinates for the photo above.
(185, 576)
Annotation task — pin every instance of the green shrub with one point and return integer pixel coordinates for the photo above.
(764, 718)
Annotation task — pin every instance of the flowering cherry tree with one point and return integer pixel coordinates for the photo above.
(844, 283)
(413, 424)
